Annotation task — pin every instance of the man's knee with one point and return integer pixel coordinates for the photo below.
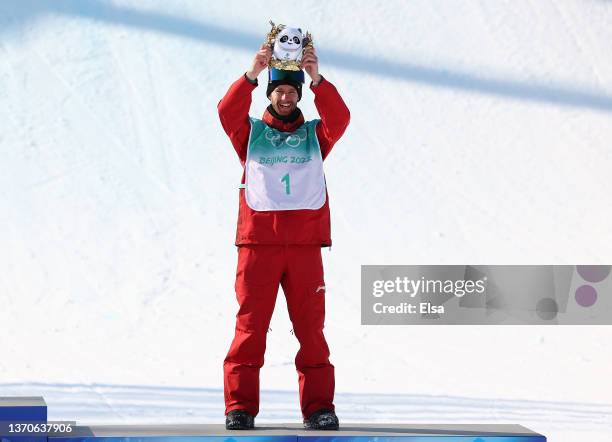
(248, 346)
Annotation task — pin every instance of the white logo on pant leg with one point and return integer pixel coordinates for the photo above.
(321, 287)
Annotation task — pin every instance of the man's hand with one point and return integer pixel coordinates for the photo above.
(310, 63)
(260, 62)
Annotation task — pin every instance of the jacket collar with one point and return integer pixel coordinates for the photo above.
(283, 124)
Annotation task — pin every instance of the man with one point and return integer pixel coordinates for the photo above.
(283, 222)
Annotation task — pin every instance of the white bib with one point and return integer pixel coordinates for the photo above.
(284, 170)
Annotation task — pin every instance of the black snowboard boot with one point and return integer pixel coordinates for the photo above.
(322, 420)
(239, 420)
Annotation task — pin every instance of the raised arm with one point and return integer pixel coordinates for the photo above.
(234, 106)
(334, 114)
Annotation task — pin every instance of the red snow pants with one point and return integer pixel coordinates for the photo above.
(299, 270)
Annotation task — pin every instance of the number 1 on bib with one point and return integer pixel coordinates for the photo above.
(285, 180)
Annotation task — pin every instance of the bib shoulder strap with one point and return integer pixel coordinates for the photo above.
(312, 123)
(257, 126)
(311, 126)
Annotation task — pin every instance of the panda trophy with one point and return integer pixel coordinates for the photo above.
(288, 46)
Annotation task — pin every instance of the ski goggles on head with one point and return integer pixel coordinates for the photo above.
(280, 74)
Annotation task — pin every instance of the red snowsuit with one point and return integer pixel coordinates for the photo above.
(280, 247)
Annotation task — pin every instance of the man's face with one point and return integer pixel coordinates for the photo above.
(284, 99)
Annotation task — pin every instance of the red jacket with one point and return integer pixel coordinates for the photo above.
(283, 226)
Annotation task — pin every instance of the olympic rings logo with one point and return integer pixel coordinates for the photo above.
(292, 140)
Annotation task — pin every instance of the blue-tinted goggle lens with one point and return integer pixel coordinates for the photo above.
(279, 74)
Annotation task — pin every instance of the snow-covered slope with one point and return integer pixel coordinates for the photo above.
(481, 133)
